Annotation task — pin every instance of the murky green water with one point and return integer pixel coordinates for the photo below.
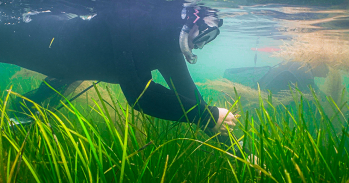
(294, 136)
(270, 25)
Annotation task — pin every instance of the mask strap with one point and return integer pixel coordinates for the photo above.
(197, 16)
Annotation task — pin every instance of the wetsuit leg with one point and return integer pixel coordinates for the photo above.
(44, 95)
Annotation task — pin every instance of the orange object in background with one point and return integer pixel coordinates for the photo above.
(266, 49)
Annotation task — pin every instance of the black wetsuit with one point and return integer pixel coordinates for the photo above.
(122, 44)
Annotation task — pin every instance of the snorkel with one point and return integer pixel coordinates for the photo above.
(207, 21)
(184, 45)
(184, 35)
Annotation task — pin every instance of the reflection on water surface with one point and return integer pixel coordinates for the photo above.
(271, 25)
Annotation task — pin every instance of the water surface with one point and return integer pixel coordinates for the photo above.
(264, 26)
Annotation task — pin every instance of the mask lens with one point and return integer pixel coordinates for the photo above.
(200, 45)
(206, 36)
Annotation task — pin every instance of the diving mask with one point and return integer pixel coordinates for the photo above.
(207, 21)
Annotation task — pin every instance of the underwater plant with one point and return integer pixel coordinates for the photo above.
(333, 85)
(249, 97)
(83, 143)
(316, 49)
(325, 53)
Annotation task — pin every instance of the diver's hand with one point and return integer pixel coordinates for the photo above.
(229, 121)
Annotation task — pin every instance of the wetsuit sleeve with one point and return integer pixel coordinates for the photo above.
(164, 103)
(177, 76)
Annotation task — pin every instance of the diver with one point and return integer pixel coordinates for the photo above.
(122, 43)
(279, 77)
